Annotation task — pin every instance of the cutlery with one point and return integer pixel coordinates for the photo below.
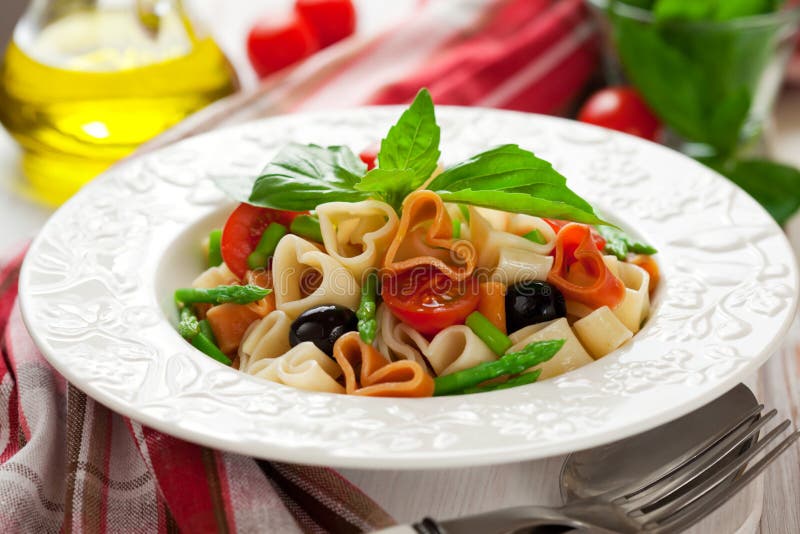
(660, 481)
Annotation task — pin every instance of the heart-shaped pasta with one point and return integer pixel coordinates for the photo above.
(357, 233)
(505, 233)
(580, 271)
(305, 277)
(369, 373)
(425, 237)
(398, 340)
(571, 356)
(457, 348)
(266, 338)
(304, 367)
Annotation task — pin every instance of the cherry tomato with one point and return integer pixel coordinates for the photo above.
(557, 225)
(242, 231)
(276, 43)
(428, 300)
(621, 108)
(370, 156)
(330, 20)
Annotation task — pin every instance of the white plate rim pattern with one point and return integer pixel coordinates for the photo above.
(88, 297)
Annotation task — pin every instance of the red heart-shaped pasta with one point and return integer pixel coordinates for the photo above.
(376, 376)
(579, 271)
(425, 237)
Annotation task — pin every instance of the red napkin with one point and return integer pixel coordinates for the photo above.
(68, 463)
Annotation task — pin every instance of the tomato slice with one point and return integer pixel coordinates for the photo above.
(242, 231)
(558, 224)
(428, 300)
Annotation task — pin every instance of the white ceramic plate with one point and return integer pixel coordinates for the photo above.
(97, 283)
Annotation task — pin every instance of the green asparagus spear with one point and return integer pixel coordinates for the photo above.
(188, 325)
(494, 338)
(266, 246)
(214, 250)
(527, 378)
(195, 332)
(510, 364)
(221, 294)
(307, 226)
(367, 324)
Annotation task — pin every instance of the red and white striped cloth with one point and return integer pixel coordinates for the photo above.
(68, 463)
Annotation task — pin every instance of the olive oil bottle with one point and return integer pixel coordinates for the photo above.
(84, 90)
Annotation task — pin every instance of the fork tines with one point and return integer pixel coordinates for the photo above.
(709, 477)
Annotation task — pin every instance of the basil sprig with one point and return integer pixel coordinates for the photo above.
(507, 178)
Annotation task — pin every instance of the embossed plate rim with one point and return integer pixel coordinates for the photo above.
(442, 432)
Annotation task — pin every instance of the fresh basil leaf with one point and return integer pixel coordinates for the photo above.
(774, 185)
(413, 142)
(504, 167)
(390, 185)
(620, 244)
(555, 194)
(304, 176)
(518, 202)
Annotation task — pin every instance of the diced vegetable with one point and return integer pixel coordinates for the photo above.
(510, 364)
(367, 324)
(214, 251)
(456, 229)
(620, 244)
(489, 333)
(259, 258)
(492, 303)
(229, 323)
(221, 294)
(308, 227)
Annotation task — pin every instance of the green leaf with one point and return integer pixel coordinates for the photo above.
(504, 167)
(620, 244)
(734, 9)
(413, 142)
(517, 202)
(670, 82)
(391, 185)
(684, 10)
(303, 176)
(727, 120)
(774, 185)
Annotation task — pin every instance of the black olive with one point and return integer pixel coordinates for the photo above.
(533, 302)
(322, 326)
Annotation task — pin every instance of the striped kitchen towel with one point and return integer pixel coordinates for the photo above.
(69, 464)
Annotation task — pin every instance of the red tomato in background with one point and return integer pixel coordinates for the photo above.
(277, 41)
(622, 109)
(242, 231)
(331, 20)
(370, 156)
(557, 225)
(428, 300)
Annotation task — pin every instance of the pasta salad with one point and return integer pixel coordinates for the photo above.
(387, 275)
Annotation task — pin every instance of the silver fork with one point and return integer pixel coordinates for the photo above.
(671, 502)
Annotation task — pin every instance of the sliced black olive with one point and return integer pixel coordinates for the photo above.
(322, 326)
(533, 302)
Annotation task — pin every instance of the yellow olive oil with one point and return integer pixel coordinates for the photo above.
(89, 88)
